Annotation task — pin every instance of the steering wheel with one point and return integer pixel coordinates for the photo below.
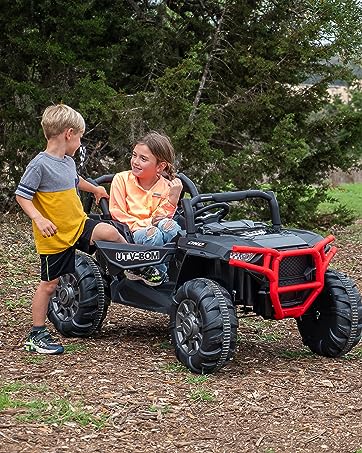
(223, 210)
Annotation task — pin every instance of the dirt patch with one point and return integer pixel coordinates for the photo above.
(124, 391)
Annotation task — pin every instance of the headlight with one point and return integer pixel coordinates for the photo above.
(242, 256)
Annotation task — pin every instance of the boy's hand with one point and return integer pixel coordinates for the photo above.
(100, 192)
(175, 190)
(45, 226)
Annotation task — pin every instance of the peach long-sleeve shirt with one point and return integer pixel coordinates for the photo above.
(131, 204)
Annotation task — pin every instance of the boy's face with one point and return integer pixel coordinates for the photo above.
(73, 141)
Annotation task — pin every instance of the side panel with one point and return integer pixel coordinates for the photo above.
(128, 256)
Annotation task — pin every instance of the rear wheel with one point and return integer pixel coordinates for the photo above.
(333, 325)
(203, 325)
(79, 305)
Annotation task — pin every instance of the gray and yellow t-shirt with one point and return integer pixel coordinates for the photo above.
(51, 183)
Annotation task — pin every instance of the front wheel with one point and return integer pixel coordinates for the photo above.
(333, 324)
(203, 325)
(79, 305)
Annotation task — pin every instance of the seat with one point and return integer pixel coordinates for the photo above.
(188, 188)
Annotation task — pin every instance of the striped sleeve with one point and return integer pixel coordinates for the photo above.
(29, 183)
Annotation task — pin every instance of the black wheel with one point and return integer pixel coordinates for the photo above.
(79, 304)
(333, 325)
(203, 325)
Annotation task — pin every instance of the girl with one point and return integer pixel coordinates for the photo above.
(146, 201)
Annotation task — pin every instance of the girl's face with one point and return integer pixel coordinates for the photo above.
(144, 164)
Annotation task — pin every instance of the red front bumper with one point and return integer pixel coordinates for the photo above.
(270, 268)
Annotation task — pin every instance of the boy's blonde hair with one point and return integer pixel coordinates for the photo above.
(57, 118)
(161, 147)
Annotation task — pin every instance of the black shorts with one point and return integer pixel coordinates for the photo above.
(57, 264)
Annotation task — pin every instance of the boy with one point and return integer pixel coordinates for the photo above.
(47, 193)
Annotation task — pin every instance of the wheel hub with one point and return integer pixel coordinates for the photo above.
(66, 295)
(65, 300)
(190, 326)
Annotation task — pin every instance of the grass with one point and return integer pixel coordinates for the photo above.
(202, 395)
(57, 411)
(8, 390)
(200, 379)
(165, 345)
(75, 347)
(61, 411)
(270, 337)
(356, 353)
(14, 304)
(34, 358)
(175, 367)
(161, 409)
(349, 195)
(295, 353)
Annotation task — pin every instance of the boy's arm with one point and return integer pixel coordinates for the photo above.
(98, 191)
(45, 226)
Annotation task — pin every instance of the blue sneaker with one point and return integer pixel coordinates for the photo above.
(42, 342)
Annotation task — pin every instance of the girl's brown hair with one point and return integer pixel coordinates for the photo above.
(161, 147)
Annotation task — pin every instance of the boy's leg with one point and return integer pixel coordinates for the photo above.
(106, 232)
(39, 339)
(41, 301)
(95, 230)
(52, 266)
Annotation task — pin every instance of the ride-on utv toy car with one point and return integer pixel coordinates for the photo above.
(216, 267)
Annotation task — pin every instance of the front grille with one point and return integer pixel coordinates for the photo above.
(289, 280)
(294, 270)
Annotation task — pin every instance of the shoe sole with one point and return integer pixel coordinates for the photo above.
(31, 348)
(134, 277)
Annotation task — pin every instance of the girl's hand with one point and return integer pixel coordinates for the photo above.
(175, 190)
(100, 192)
(156, 219)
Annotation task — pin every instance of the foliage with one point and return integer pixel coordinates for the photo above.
(224, 78)
(57, 411)
(201, 395)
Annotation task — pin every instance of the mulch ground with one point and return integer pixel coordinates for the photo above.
(273, 397)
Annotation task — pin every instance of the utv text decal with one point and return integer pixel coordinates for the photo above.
(196, 243)
(141, 256)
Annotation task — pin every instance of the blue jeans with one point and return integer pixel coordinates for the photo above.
(164, 232)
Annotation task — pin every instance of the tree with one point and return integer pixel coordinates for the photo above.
(223, 78)
(256, 123)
